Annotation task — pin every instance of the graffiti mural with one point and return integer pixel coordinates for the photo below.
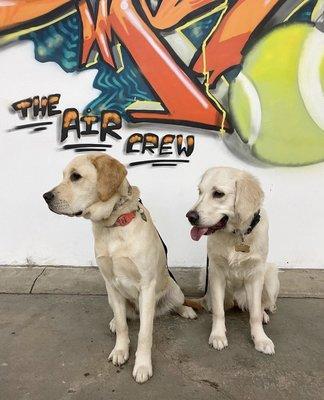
(250, 70)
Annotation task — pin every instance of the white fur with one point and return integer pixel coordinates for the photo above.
(236, 277)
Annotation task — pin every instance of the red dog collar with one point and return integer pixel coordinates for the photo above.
(125, 219)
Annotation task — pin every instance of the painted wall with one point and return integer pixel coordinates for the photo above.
(172, 94)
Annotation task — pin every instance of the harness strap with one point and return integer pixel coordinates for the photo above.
(165, 250)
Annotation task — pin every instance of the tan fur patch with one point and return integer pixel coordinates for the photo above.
(248, 198)
(111, 174)
(194, 303)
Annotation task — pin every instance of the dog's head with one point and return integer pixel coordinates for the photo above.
(86, 180)
(228, 199)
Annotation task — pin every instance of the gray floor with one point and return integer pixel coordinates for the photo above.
(56, 347)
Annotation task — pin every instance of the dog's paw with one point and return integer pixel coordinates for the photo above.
(219, 342)
(265, 317)
(273, 308)
(119, 356)
(112, 326)
(142, 372)
(188, 312)
(265, 345)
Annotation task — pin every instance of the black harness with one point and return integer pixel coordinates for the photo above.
(165, 250)
(166, 255)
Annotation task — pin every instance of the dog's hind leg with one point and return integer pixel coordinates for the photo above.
(265, 317)
(185, 312)
(112, 325)
(174, 300)
(270, 288)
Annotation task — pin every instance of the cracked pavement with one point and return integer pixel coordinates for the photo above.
(56, 347)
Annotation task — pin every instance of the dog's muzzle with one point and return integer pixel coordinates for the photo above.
(54, 205)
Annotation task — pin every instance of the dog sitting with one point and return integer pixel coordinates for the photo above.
(128, 250)
(229, 211)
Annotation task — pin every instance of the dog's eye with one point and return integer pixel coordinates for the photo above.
(75, 177)
(217, 194)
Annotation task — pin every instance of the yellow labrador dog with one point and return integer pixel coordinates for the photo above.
(229, 210)
(128, 251)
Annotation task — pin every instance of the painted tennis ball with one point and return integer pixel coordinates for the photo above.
(277, 100)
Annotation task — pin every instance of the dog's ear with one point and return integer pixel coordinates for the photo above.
(248, 197)
(110, 175)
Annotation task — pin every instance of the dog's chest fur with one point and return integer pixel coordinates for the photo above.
(236, 264)
(121, 258)
(116, 257)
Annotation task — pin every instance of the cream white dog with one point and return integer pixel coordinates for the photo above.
(229, 211)
(128, 251)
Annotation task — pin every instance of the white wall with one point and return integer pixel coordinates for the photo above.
(30, 164)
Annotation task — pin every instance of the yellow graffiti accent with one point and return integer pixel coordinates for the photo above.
(152, 105)
(224, 80)
(120, 55)
(15, 35)
(221, 7)
(181, 28)
(94, 61)
(317, 10)
(296, 9)
(206, 73)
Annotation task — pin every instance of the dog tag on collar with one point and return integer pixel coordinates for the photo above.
(142, 214)
(242, 247)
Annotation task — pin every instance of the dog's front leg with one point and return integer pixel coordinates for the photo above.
(217, 284)
(143, 364)
(120, 352)
(253, 289)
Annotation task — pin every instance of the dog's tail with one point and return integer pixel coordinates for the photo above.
(196, 304)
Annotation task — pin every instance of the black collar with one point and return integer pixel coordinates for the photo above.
(255, 220)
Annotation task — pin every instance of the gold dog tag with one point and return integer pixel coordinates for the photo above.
(242, 247)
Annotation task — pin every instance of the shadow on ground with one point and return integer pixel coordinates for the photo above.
(56, 347)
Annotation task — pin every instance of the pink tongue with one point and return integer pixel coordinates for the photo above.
(196, 233)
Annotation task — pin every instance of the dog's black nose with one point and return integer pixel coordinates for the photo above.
(48, 197)
(193, 217)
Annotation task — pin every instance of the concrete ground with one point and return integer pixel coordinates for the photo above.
(55, 347)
